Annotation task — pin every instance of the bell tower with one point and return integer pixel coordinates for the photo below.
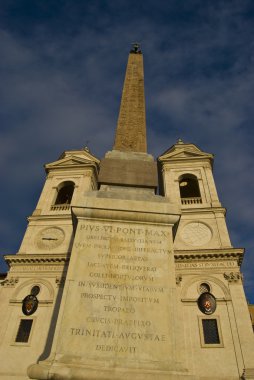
(187, 177)
(50, 226)
(209, 282)
(31, 292)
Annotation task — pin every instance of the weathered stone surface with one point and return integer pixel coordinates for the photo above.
(131, 126)
(118, 308)
(129, 173)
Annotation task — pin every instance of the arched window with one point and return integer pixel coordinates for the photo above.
(204, 288)
(189, 189)
(64, 193)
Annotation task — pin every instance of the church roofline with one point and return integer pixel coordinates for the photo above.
(182, 145)
(77, 151)
(73, 158)
(185, 151)
(85, 151)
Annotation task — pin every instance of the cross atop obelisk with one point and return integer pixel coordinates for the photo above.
(131, 126)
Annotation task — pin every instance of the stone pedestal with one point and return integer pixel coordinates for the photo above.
(117, 318)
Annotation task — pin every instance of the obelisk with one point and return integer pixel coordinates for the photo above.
(128, 164)
(118, 319)
(131, 127)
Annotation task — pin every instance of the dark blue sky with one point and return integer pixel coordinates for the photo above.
(61, 72)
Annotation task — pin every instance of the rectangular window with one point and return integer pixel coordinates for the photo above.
(210, 330)
(24, 331)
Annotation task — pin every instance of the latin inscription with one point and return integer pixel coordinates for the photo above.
(122, 280)
(111, 297)
(210, 264)
(122, 335)
(123, 230)
(126, 349)
(38, 268)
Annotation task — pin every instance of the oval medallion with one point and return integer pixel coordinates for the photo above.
(29, 305)
(207, 303)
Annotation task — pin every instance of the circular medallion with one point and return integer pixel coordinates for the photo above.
(207, 303)
(29, 305)
(196, 234)
(50, 238)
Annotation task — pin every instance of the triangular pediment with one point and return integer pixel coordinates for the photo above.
(184, 151)
(73, 159)
(83, 154)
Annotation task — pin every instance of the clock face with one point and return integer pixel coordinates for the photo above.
(50, 238)
(196, 234)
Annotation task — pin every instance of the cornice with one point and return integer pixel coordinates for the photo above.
(204, 210)
(184, 160)
(53, 216)
(70, 168)
(73, 170)
(161, 213)
(210, 254)
(35, 259)
(20, 301)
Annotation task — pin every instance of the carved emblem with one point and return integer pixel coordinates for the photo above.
(233, 276)
(178, 279)
(207, 303)
(29, 304)
(10, 282)
(60, 281)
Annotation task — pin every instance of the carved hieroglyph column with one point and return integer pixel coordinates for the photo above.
(131, 126)
(128, 164)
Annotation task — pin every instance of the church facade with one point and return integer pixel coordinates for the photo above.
(113, 281)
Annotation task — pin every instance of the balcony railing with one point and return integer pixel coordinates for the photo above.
(62, 207)
(191, 201)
